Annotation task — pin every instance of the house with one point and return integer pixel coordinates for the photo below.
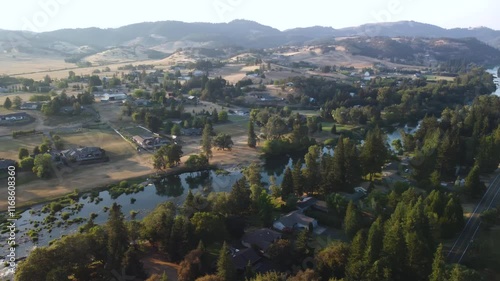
(191, 131)
(84, 154)
(14, 117)
(3, 90)
(305, 203)
(198, 73)
(243, 257)
(262, 239)
(31, 106)
(142, 102)
(321, 206)
(295, 220)
(113, 97)
(150, 142)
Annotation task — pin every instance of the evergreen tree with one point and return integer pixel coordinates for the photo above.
(132, 264)
(287, 184)
(352, 166)
(215, 116)
(438, 266)
(253, 174)
(117, 237)
(356, 267)
(338, 171)
(394, 248)
(252, 138)
(239, 197)
(334, 129)
(265, 207)
(225, 267)
(206, 141)
(374, 152)
(7, 103)
(473, 185)
(298, 181)
(374, 242)
(453, 218)
(352, 221)
(312, 171)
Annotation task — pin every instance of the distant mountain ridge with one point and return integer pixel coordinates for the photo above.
(238, 33)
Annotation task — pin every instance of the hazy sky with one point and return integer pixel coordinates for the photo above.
(45, 15)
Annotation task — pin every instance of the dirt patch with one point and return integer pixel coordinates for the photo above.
(154, 263)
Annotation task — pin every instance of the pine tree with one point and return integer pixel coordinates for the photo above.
(339, 168)
(206, 141)
(352, 221)
(239, 197)
(298, 182)
(334, 129)
(473, 185)
(374, 152)
(438, 266)
(225, 267)
(352, 166)
(252, 138)
(287, 184)
(394, 248)
(117, 237)
(312, 171)
(7, 103)
(374, 242)
(132, 264)
(356, 267)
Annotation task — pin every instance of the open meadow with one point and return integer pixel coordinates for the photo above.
(125, 163)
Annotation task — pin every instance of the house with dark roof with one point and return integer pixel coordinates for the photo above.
(84, 154)
(295, 220)
(305, 203)
(243, 257)
(261, 239)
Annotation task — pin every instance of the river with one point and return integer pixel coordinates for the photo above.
(494, 72)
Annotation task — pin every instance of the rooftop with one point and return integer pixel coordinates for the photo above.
(242, 257)
(262, 238)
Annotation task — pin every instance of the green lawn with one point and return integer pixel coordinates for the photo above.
(431, 78)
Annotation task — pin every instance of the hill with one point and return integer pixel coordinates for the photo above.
(158, 39)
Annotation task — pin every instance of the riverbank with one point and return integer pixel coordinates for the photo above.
(137, 166)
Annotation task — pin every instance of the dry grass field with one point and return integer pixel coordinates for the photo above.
(125, 163)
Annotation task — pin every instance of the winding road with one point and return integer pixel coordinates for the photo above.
(466, 238)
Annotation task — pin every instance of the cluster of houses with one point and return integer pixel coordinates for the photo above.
(258, 242)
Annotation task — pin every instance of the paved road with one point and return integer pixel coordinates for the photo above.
(464, 241)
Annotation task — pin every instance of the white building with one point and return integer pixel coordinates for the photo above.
(113, 97)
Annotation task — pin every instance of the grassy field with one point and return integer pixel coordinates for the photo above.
(115, 146)
(433, 78)
(9, 147)
(136, 131)
(237, 126)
